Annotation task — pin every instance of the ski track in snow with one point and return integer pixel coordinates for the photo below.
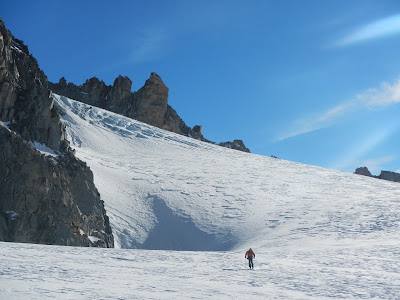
(317, 233)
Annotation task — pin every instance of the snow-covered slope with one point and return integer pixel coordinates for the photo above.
(317, 233)
(366, 270)
(166, 191)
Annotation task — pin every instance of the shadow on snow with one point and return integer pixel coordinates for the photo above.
(175, 232)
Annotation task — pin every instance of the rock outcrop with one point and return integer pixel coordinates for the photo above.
(149, 104)
(363, 171)
(236, 144)
(25, 100)
(42, 199)
(391, 176)
(48, 200)
(385, 175)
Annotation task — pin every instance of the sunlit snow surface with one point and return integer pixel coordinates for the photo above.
(317, 233)
(303, 270)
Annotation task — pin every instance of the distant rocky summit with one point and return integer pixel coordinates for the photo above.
(236, 144)
(385, 175)
(43, 199)
(149, 104)
(363, 171)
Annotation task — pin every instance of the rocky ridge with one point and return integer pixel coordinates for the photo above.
(43, 199)
(385, 175)
(149, 104)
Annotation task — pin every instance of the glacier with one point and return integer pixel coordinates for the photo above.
(183, 213)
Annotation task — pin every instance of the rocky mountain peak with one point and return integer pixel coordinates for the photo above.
(94, 81)
(119, 94)
(155, 84)
(154, 77)
(123, 83)
(62, 82)
(363, 171)
(236, 144)
(197, 132)
(25, 100)
(152, 101)
(92, 85)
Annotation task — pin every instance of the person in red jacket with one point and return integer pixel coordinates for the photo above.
(250, 255)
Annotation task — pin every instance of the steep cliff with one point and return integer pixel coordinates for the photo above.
(42, 199)
(48, 200)
(26, 101)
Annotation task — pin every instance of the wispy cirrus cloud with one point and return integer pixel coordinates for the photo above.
(351, 160)
(157, 39)
(323, 120)
(388, 26)
(355, 156)
(385, 95)
(150, 44)
(375, 164)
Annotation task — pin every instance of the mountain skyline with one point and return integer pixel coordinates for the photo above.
(316, 83)
(73, 174)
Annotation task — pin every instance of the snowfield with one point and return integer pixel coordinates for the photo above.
(317, 233)
(341, 270)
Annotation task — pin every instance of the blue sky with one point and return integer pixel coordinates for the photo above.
(316, 82)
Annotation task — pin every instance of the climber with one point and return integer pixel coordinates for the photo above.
(250, 255)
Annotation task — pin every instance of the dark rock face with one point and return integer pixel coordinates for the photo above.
(149, 104)
(46, 200)
(236, 144)
(391, 176)
(385, 175)
(197, 132)
(25, 100)
(120, 94)
(42, 199)
(363, 171)
(174, 123)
